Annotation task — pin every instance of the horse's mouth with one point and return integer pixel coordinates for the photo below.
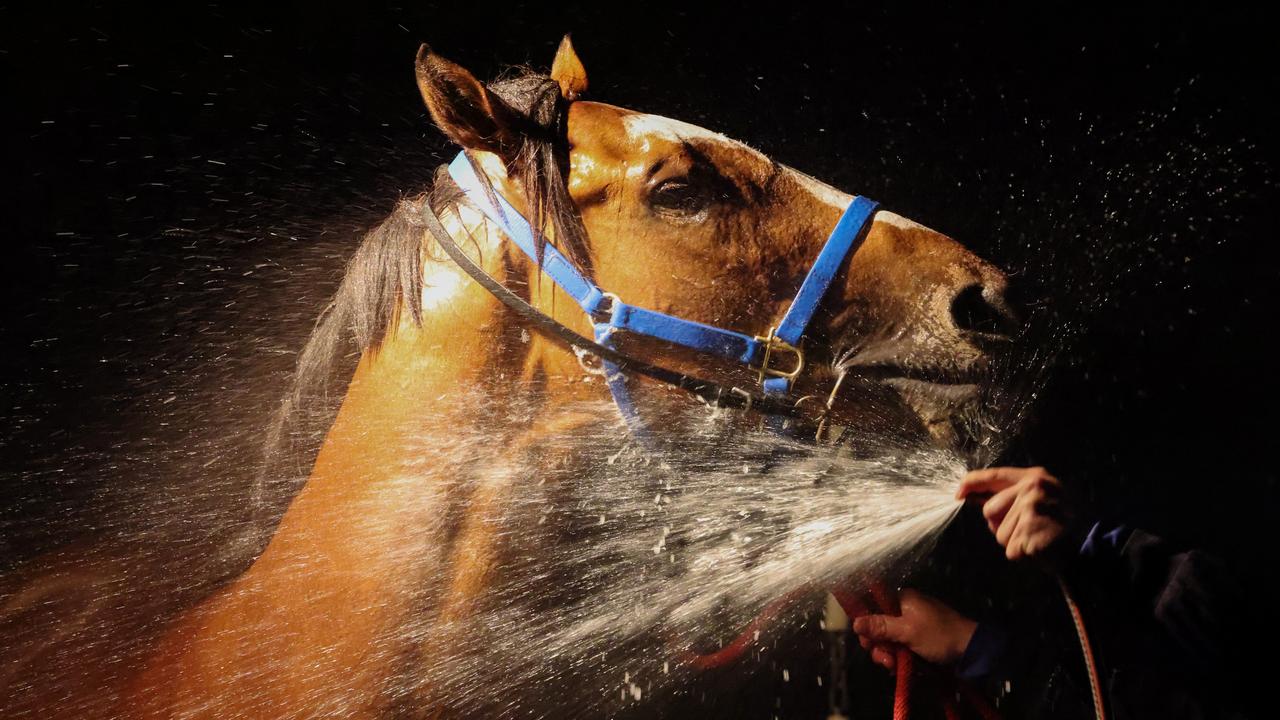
(950, 393)
(937, 377)
(938, 392)
(937, 382)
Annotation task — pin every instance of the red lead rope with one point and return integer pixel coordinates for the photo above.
(735, 649)
(881, 601)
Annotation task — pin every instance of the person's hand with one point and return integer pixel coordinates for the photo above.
(1023, 506)
(925, 626)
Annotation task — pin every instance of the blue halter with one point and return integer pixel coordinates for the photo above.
(610, 315)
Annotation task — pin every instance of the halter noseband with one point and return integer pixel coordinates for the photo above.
(610, 315)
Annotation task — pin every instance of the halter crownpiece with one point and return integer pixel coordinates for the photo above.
(610, 315)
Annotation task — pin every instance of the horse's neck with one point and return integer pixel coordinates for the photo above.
(404, 516)
(421, 385)
(417, 409)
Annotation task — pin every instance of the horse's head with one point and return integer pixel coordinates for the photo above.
(685, 221)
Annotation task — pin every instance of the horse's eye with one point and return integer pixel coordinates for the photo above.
(678, 195)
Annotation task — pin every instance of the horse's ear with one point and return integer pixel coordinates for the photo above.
(463, 108)
(567, 70)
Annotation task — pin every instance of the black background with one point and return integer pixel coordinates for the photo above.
(184, 183)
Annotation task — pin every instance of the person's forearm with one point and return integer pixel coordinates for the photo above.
(988, 648)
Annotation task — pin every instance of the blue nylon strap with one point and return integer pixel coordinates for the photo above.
(777, 386)
(617, 383)
(842, 243)
(555, 265)
(716, 341)
(697, 336)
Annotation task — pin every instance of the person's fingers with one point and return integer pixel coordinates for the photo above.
(989, 480)
(864, 642)
(1027, 546)
(1026, 536)
(884, 657)
(1015, 549)
(995, 509)
(874, 648)
(1009, 524)
(881, 628)
(1039, 535)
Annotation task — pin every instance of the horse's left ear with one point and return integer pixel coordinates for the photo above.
(464, 109)
(567, 70)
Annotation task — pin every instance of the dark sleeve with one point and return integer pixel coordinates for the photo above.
(984, 652)
(988, 651)
(1167, 623)
(1194, 603)
(1186, 598)
(1019, 655)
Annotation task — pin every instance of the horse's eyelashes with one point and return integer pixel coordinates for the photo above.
(702, 187)
(678, 195)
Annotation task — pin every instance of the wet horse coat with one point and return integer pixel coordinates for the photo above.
(403, 522)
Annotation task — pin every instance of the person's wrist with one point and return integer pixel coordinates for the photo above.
(1064, 548)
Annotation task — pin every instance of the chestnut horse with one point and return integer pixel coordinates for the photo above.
(407, 518)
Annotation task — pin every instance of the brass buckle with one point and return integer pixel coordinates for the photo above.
(772, 343)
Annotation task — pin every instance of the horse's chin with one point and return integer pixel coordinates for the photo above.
(942, 407)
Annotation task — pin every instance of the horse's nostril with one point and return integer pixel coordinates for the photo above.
(973, 312)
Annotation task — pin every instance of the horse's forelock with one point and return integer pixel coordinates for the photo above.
(541, 165)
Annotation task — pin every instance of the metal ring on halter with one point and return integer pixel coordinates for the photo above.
(597, 365)
(773, 343)
(824, 406)
(822, 414)
(614, 301)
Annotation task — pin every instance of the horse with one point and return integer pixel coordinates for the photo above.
(408, 524)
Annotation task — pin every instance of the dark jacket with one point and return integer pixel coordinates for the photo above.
(1172, 631)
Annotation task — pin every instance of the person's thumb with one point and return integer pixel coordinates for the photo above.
(881, 628)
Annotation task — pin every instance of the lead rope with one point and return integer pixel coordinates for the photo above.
(881, 600)
(904, 660)
(1091, 666)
